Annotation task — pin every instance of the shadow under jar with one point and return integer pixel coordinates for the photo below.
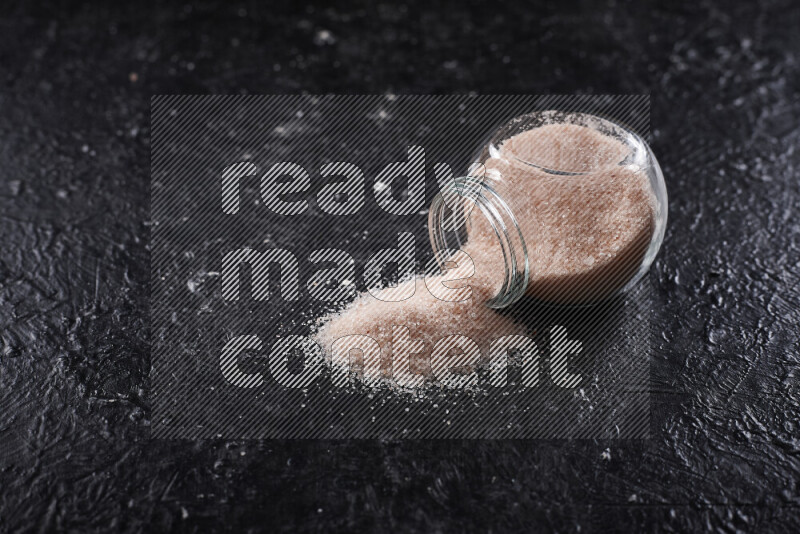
(567, 208)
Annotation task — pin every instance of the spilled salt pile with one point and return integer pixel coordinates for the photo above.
(407, 332)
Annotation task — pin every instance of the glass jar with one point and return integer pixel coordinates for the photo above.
(566, 208)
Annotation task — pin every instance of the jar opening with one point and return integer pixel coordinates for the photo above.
(449, 220)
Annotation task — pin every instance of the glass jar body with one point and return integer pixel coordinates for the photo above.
(566, 208)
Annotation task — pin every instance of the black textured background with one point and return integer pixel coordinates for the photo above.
(74, 268)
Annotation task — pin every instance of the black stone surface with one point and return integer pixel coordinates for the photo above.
(74, 267)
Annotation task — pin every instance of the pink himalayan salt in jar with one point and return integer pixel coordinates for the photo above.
(567, 208)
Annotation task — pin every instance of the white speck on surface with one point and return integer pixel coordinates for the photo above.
(324, 37)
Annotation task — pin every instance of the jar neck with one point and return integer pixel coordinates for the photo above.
(448, 219)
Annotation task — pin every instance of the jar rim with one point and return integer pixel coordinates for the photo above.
(490, 204)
